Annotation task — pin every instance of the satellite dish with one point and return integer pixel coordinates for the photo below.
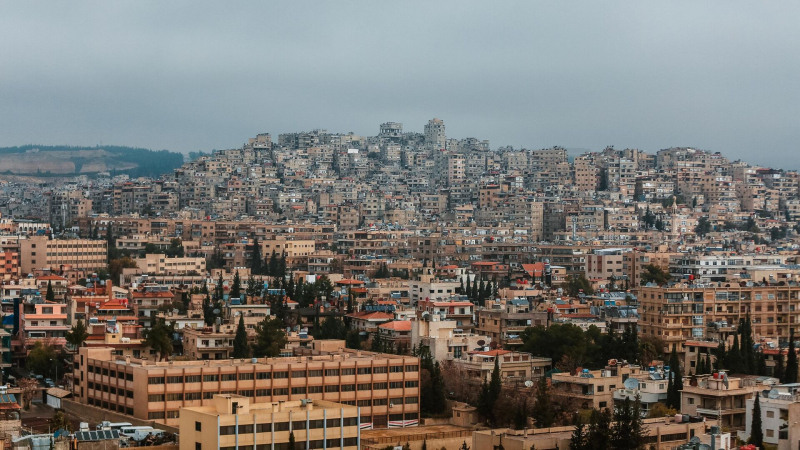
(481, 343)
(631, 383)
(773, 394)
(529, 383)
(216, 311)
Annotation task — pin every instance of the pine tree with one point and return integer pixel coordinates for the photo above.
(756, 432)
(761, 368)
(734, 356)
(241, 347)
(790, 376)
(599, 433)
(272, 266)
(579, 435)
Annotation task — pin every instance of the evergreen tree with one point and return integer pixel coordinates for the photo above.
(50, 296)
(290, 287)
(675, 384)
(578, 441)
(352, 340)
(779, 371)
(281, 272)
(253, 287)
(110, 242)
(256, 261)
(734, 356)
(219, 290)
(543, 413)
(599, 432)
(761, 368)
(461, 288)
(790, 375)
(208, 313)
(521, 415)
(241, 347)
(236, 288)
(292, 443)
(78, 334)
(272, 267)
(756, 432)
(270, 338)
(628, 431)
(474, 296)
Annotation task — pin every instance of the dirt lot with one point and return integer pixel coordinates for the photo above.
(39, 416)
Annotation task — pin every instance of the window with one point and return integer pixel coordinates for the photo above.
(280, 391)
(210, 378)
(263, 376)
(412, 400)
(228, 377)
(314, 373)
(395, 369)
(175, 380)
(350, 371)
(412, 368)
(155, 398)
(298, 390)
(298, 373)
(770, 433)
(280, 375)
(156, 415)
(174, 397)
(193, 378)
(332, 388)
(191, 396)
(380, 370)
(395, 385)
(363, 403)
(197, 445)
(364, 387)
(155, 380)
(263, 392)
(364, 370)
(380, 402)
(603, 404)
(331, 372)
(379, 386)
(770, 414)
(412, 384)
(348, 387)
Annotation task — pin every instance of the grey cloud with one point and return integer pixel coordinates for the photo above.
(187, 75)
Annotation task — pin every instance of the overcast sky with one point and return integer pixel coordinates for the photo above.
(722, 76)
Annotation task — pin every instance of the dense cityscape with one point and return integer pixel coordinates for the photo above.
(408, 290)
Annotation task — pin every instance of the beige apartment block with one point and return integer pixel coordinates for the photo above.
(385, 387)
(234, 422)
(40, 252)
(682, 312)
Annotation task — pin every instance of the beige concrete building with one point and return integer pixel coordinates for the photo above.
(722, 398)
(163, 265)
(681, 312)
(235, 422)
(40, 252)
(385, 387)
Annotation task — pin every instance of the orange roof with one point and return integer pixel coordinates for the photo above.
(536, 269)
(450, 267)
(370, 315)
(397, 325)
(484, 263)
(51, 277)
(497, 352)
(349, 281)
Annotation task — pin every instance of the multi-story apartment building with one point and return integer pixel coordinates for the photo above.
(679, 312)
(40, 252)
(162, 265)
(234, 422)
(516, 368)
(504, 321)
(456, 309)
(9, 265)
(592, 388)
(722, 398)
(385, 387)
(444, 338)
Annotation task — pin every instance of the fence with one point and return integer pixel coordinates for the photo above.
(417, 437)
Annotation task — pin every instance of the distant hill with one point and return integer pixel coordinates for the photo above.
(52, 160)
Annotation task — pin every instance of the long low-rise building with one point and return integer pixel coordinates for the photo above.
(236, 422)
(385, 387)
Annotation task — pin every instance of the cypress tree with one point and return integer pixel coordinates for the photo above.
(756, 432)
(790, 376)
(237, 286)
(292, 443)
(779, 371)
(734, 356)
(241, 347)
(256, 261)
(50, 295)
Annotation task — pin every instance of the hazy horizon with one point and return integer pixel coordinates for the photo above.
(196, 76)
